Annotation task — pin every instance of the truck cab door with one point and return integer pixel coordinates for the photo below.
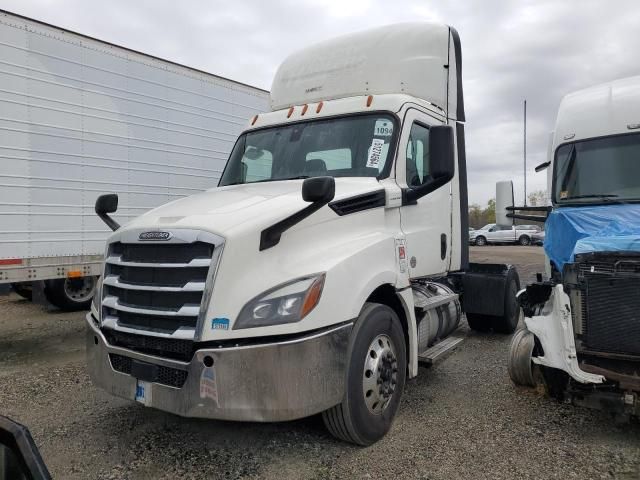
(426, 222)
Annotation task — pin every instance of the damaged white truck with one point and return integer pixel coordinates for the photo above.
(582, 337)
(331, 259)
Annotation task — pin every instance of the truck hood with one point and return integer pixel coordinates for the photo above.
(225, 210)
(603, 228)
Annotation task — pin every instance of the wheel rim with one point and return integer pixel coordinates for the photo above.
(79, 289)
(480, 241)
(524, 241)
(380, 375)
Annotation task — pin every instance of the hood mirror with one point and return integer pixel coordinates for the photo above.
(318, 189)
(106, 204)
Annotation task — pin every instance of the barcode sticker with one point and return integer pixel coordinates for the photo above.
(375, 152)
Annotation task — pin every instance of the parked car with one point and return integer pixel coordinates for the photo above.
(493, 233)
(538, 238)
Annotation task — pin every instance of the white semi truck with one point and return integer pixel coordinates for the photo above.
(582, 337)
(79, 116)
(331, 259)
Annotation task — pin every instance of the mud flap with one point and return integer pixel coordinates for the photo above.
(489, 297)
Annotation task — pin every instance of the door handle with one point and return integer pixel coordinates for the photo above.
(443, 246)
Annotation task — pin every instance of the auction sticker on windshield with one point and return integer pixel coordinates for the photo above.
(383, 128)
(375, 152)
(143, 392)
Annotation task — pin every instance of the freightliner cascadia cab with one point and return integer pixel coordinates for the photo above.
(582, 336)
(331, 258)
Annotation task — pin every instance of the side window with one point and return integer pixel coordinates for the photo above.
(418, 156)
(257, 164)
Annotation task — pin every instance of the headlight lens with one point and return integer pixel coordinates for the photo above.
(287, 303)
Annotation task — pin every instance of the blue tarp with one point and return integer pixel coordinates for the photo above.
(602, 228)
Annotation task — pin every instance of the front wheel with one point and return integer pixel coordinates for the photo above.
(376, 374)
(70, 294)
(481, 241)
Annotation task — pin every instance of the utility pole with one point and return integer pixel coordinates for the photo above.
(525, 153)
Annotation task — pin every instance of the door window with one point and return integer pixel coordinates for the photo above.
(418, 156)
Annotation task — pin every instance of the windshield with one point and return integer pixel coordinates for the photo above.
(355, 146)
(487, 227)
(598, 171)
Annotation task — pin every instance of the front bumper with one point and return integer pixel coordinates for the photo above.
(266, 383)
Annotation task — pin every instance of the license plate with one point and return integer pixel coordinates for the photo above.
(143, 392)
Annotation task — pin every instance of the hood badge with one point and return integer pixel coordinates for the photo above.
(155, 236)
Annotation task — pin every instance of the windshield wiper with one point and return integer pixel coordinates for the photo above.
(601, 196)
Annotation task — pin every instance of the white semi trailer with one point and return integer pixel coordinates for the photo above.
(582, 336)
(330, 261)
(79, 117)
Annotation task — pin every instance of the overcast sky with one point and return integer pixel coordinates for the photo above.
(538, 50)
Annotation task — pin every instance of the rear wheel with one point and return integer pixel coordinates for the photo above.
(376, 373)
(70, 294)
(524, 240)
(481, 241)
(23, 289)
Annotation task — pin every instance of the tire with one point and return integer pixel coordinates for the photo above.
(524, 240)
(480, 241)
(520, 365)
(70, 294)
(508, 322)
(478, 322)
(377, 340)
(23, 289)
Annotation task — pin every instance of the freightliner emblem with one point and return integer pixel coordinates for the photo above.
(157, 236)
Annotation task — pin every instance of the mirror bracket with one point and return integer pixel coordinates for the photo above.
(317, 190)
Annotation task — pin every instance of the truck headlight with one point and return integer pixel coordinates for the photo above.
(286, 303)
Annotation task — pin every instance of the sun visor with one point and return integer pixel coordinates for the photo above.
(418, 59)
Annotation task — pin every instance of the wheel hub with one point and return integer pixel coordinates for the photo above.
(380, 374)
(79, 289)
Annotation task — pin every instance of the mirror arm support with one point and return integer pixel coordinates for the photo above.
(319, 191)
(111, 223)
(411, 195)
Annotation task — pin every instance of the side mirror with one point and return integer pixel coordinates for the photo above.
(19, 455)
(442, 163)
(106, 204)
(504, 202)
(318, 189)
(441, 152)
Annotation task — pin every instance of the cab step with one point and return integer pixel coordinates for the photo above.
(440, 349)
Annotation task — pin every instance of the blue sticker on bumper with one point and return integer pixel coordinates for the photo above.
(220, 324)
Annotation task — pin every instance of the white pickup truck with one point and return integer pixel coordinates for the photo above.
(494, 233)
(331, 259)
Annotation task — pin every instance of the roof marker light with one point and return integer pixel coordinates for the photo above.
(319, 107)
(304, 109)
(369, 100)
(290, 112)
(254, 120)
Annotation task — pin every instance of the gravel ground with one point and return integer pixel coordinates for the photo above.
(461, 418)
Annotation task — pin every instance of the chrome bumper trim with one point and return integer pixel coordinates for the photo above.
(266, 383)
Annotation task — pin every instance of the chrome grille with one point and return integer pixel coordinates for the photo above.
(157, 288)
